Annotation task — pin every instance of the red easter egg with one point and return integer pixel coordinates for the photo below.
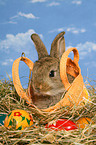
(62, 124)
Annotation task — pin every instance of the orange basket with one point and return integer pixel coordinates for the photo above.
(76, 93)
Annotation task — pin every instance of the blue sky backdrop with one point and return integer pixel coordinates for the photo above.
(20, 18)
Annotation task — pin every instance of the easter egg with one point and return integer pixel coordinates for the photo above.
(2, 118)
(83, 122)
(62, 124)
(18, 119)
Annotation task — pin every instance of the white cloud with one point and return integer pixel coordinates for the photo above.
(90, 64)
(57, 30)
(54, 4)
(4, 63)
(9, 22)
(16, 42)
(73, 30)
(12, 22)
(60, 29)
(77, 2)
(7, 62)
(16, 16)
(35, 1)
(83, 30)
(86, 49)
(10, 60)
(76, 30)
(28, 16)
(88, 46)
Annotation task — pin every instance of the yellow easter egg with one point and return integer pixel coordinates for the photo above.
(18, 119)
(83, 122)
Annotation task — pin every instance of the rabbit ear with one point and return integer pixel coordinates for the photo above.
(58, 46)
(40, 47)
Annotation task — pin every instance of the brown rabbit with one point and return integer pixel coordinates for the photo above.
(46, 87)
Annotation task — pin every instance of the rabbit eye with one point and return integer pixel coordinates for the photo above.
(52, 73)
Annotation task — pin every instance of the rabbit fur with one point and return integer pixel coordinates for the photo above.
(46, 87)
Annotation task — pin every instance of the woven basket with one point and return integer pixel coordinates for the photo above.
(76, 93)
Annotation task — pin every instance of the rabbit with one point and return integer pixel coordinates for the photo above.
(46, 87)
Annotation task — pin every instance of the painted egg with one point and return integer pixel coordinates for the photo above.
(62, 124)
(83, 122)
(18, 119)
(2, 118)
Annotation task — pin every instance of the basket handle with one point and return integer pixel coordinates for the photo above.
(16, 79)
(63, 63)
